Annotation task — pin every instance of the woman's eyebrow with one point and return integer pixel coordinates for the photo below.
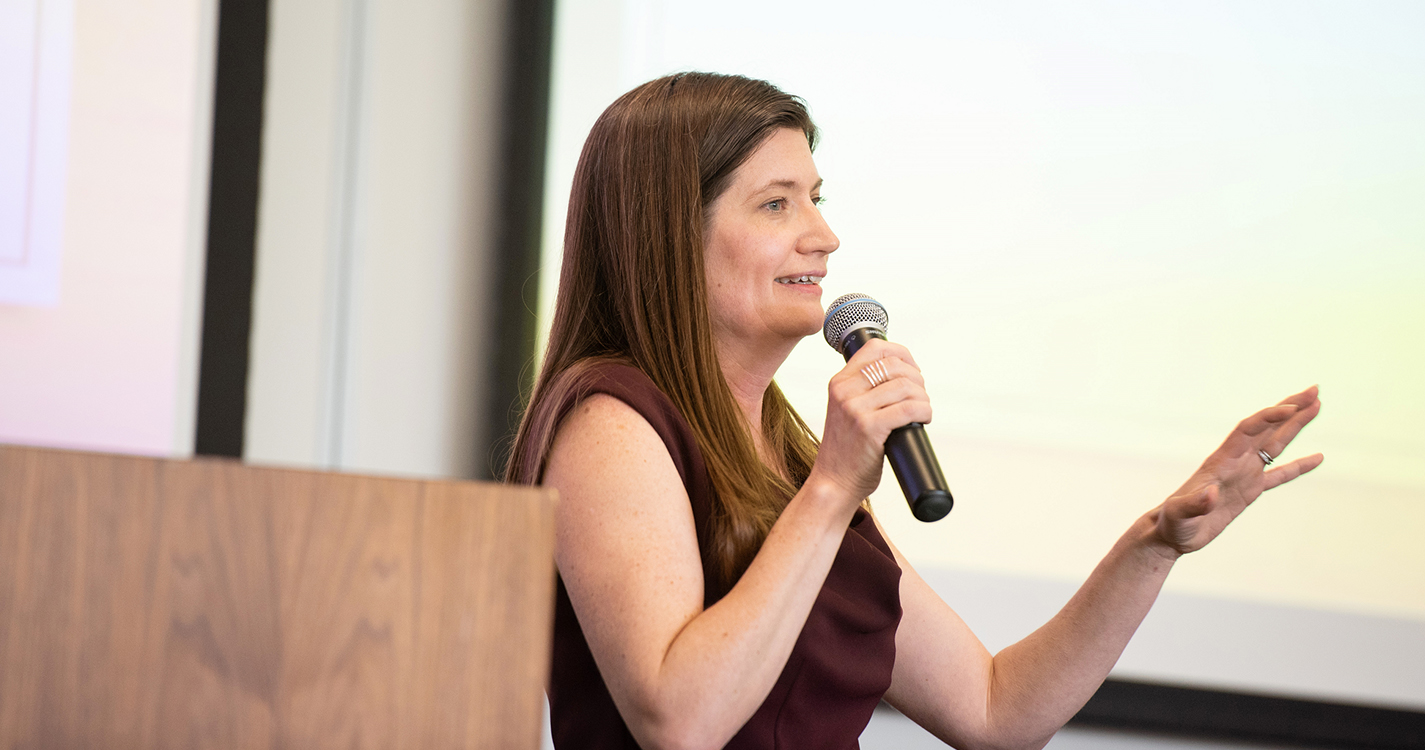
(785, 185)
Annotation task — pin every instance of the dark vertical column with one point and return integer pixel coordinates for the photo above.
(232, 226)
(509, 342)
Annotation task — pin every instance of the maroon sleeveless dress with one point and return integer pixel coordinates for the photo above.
(841, 663)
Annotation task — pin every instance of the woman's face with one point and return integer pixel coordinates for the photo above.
(766, 247)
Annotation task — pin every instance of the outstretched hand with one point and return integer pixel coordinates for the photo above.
(1235, 474)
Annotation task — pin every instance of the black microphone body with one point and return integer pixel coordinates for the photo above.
(908, 449)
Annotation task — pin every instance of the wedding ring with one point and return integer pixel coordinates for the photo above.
(1266, 457)
(875, 373)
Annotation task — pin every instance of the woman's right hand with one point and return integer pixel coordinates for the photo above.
(860, 416)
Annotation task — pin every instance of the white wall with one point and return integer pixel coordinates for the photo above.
(379, 165)
(380, 156)
(113, 366)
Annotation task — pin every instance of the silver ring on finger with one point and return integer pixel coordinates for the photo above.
(875, 373)
(1266, 457)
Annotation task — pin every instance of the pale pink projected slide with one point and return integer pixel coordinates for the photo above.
(35, 61)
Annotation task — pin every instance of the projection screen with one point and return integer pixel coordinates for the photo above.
(1109, 231)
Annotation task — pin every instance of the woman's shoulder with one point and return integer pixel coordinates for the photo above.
(575, 381)
(614, 395)
(606, 392)
(620, 379)
(601, 431)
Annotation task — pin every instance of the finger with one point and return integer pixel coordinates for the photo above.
(888, 393)
(1302, 399)
(852, 382)
(1287, 472)
(878, 423)
(1246, 436)
(901, 352)
(1267, 418)
(879, 349)
(903, 413)
(886, 370)
(1286, 433)
(892, 349)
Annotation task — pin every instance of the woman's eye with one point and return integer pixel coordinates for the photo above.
(777, 205)
(818, 200)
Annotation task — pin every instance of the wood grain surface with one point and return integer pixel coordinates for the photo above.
(147, 603)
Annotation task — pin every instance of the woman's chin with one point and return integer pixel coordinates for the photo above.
(809, 325)
(791, 333)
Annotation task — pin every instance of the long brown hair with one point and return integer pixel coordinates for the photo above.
(632, 288)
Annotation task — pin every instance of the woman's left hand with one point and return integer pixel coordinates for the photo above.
(946, 681)
(1235, 474)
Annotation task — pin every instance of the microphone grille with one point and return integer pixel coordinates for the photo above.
(852, 311)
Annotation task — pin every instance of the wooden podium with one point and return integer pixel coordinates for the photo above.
(147, 603)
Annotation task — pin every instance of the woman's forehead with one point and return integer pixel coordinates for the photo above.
(783, 161)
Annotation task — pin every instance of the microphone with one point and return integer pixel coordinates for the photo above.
(851, 321)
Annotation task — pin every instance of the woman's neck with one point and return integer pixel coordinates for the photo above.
(748, 374)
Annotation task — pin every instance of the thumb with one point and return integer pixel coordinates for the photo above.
(1195, 504)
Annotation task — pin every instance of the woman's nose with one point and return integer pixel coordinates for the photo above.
(819, 238)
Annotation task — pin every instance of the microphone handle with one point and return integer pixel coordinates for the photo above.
(908, 449)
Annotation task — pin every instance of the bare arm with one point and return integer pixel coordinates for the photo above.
(627, 549)
(945, 680)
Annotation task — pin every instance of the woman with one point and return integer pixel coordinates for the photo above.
(721, 581)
